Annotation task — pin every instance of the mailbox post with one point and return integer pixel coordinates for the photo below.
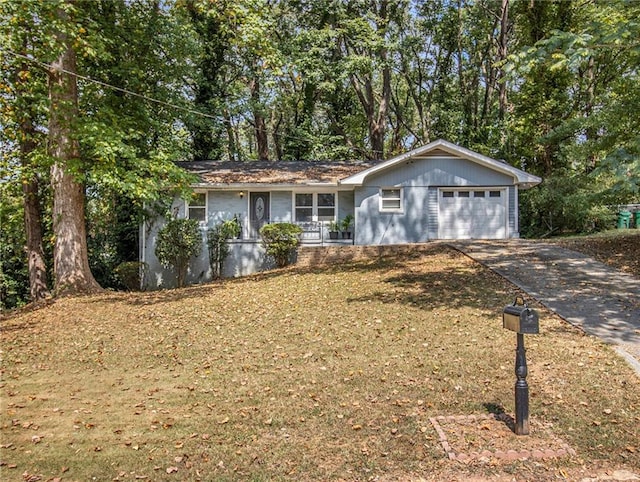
(523, 320)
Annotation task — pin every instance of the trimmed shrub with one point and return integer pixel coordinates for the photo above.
(131, 274)
(281, 241)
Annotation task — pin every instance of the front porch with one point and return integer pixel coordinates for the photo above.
(314, 233)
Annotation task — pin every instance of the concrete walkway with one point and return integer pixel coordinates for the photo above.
(601, 300)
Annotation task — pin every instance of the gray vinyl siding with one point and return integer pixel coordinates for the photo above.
(419, 179)
(513, 212)
(281, 206)
(223, 205)
(440, 172)
(432, 213)
(376, 227)
(345, 204)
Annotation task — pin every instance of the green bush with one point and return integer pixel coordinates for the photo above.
(218, 244)
(565, 204)
(280, 240)
(131, 274)
(178, 241)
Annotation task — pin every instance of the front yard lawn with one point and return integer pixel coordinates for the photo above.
(325, 374)
(619, 248)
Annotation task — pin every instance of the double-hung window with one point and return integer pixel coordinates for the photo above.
(315, 207)
(391, 199)
(197, 207)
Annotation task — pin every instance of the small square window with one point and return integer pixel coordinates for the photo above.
(447, 194)
(463, 194)
(478, 193)
(495, 193)
(197, 207)
(391, 199)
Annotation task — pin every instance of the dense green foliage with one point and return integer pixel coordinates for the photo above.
(280, 241)
(178, 241)
(550, 86)
(218, 244)
(131, 274)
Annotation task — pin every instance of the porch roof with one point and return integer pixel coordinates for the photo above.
(273, 172)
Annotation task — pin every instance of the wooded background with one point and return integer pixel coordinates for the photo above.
(98, 98)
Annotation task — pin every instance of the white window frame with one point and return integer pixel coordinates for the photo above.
(400, 198)
(485, 193)
(314, 205)
(188, 206)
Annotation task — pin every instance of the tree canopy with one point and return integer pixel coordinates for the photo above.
(550, 86)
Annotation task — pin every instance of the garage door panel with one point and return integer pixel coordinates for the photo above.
(476, 215)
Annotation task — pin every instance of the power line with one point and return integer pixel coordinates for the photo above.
(109, 86)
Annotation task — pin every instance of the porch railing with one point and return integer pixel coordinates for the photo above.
(312, 231)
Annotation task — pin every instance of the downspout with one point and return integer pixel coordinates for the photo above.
(517, 212)
(141, 254)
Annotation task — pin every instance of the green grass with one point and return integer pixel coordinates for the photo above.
(327, 374)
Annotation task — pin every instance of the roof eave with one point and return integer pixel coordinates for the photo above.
(254, 185)
(520, 177)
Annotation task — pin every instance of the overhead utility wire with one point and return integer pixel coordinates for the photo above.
(109, 86)
(135, 94)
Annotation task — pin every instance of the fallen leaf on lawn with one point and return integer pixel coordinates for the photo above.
(631, 449)
(31, 477)
(171, 470)
(356, 427)
(223, 421)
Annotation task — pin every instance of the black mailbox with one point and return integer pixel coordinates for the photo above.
(521, 319)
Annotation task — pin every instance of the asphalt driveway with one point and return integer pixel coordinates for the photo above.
(601, 300)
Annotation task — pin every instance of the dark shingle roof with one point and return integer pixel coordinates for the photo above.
(269, 172)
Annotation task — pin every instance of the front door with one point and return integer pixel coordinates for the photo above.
(259, 212)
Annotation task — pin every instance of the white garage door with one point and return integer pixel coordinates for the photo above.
(472, 214)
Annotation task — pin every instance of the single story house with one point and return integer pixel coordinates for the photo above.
(437, 191)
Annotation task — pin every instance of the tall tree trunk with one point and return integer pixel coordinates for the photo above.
(591, 130)
(231, 136)
(503, 39)
(70, 256)
(259, 123)
(377, 129)
(376, 117)
(33, 230)
(31, 194)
